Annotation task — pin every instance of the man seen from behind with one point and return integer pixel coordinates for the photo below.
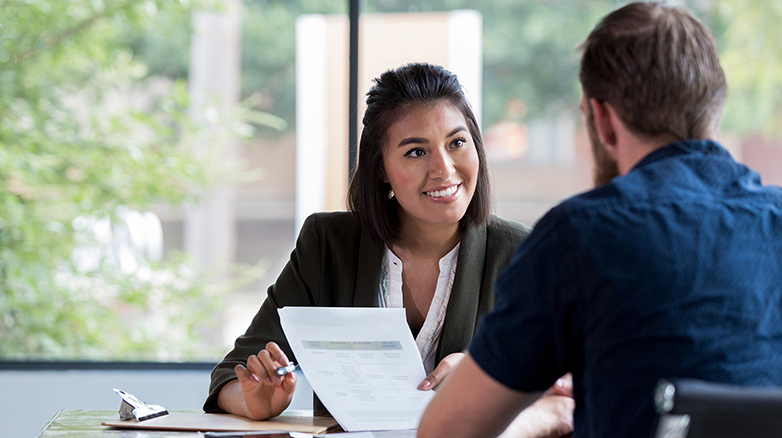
(670, 268)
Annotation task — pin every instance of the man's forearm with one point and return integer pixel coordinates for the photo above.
(471, 404)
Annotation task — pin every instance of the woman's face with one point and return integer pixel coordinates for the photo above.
(431, 162)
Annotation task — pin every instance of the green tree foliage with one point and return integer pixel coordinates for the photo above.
(78, 145)
(530, 53)
(751, 54)
(268, 55)
(268, 51)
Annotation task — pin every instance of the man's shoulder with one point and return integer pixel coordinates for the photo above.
(676, 178)
(603, 199)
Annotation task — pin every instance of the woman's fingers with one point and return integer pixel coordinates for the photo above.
(255, 364)
(277, 354)
(289, 383)
(442, 371)
(244, 374)
(264, 364)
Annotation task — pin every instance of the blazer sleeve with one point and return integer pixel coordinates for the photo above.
(297, 285)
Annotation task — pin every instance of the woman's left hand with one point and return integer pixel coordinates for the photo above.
(441, 372)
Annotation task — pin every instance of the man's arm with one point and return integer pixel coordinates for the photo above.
(470, 403)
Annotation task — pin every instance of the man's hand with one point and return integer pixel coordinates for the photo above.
(563, 386)
(470, 403)
(551, 416)
(441, 372)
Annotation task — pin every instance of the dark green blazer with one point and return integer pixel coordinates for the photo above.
(336, 264)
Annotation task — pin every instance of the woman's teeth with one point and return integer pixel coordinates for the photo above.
(443, 193)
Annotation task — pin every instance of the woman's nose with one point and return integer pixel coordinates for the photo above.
(440, 165)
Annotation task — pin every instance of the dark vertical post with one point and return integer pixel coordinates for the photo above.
(353, 89)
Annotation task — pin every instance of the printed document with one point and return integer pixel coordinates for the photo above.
(361, 362)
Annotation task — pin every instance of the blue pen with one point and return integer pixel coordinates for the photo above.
(281, 371)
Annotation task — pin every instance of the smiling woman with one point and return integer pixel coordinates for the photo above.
(419, 235)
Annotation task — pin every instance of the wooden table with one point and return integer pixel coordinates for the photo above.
(87, 424)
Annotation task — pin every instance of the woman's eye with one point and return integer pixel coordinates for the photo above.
(459, 142)
(416, 152)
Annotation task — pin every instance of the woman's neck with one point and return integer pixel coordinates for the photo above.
(427, 240)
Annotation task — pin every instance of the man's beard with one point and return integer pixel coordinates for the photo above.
(605, 168)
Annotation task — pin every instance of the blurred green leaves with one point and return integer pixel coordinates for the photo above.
(85, 132)
(751, 54)
(529, 53)
(268, 51)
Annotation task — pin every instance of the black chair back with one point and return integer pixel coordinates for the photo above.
(697, 409)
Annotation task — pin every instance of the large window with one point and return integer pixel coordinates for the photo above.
(116, 170)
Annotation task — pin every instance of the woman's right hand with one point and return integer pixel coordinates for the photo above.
(265, 394)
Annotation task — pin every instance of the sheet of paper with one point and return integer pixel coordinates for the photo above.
(361, 362)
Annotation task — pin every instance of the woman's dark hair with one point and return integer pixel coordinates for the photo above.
(389, 99)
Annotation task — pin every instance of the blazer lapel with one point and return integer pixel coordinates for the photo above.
(370, 258)
(462, 312)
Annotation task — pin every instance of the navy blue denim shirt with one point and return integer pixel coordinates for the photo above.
(673, 270)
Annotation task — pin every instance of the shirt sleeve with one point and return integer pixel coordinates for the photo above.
(297, 285)
(524, 343)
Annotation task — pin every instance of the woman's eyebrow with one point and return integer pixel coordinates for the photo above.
(456, 131)
(412, 140)
(419, 140)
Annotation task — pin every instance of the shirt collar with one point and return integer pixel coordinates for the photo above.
(703, 147)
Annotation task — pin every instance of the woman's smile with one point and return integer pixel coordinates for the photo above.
(447, 194)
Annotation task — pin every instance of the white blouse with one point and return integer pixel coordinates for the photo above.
(391, 296)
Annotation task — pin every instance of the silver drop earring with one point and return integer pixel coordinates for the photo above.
(391, 194)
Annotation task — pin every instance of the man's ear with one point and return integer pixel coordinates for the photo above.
(605, 123)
